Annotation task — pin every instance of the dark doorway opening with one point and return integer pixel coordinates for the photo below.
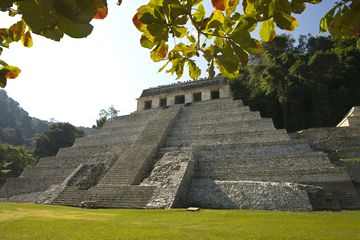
(179, 99)
(163, 102)
(147, 104)
(197, 97)
(215, 94)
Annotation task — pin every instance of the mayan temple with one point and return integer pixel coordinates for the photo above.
(191, 144)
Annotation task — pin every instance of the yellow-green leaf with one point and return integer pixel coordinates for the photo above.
(249, 6)
(146, 42)
(285, 21)
(8, 72)
(199, 14)
(231, 6)
(160, 52)
(194, 71)
(267, 30)
(217, 19)
(17, 30)
(27, 40)
(180, 32)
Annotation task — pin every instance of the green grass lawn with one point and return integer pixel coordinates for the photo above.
(29, 221)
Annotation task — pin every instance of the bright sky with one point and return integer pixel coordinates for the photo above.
(72, 80)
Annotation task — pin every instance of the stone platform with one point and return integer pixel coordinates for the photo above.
(213, 153)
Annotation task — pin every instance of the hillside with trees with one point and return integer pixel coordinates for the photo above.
(16, 126)
(310, 84)
(24, 139)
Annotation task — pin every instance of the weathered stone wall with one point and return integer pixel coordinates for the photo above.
(208, 193)
(354, 172)
(171, 175)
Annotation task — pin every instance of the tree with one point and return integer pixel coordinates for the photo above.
(105, 116)
(222, 37)
(58, 135)
(313, 85)
(13, 160)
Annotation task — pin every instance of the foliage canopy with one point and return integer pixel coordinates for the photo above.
(221, 37)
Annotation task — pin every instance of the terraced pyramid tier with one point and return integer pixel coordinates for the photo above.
(211, 154)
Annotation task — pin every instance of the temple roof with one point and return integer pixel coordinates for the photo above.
(183, 86)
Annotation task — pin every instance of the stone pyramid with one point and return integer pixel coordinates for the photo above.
(188, 144)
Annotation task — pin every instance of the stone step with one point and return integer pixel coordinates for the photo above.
(105, 140)
(216, 104)
(305, 175)
(239, 114)
(244, 126)
(246, 149)
(349, 152)
(109, 197)
(74, 159)
(263, 124)
(354, 121)
(314, 159)
(50, 172)
(332, 144)
(204, 113)
(249, 116)
(325, 133)
(17, 186)
(116, 131)
(91, 150)
(222, 139)
(132, 120)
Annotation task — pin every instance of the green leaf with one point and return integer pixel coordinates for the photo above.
(242, 55)
(267, 30)
(187, 50)
(298, 6)
(55, 34)
(79, 11)
(160, 52)
(194, 71)
(163, 66)
(159, 32)
(326, 20)
(285, 21)
(211, 70)
(179, 32)
(177, 67)
(74, 29)
(39, 15)
(4, 4)
(199, 14)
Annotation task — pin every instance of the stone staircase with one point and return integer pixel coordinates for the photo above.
(119, 187)
(341, 143)
(102, 146)
(232, 144)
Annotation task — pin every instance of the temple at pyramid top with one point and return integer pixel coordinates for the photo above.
(183, 92)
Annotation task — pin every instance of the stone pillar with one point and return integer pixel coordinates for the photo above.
(171, 100)
(205, 95)
(188, 98)
(155, 102)
(224, 92)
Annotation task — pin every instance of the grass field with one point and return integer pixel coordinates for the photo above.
(28, 221)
